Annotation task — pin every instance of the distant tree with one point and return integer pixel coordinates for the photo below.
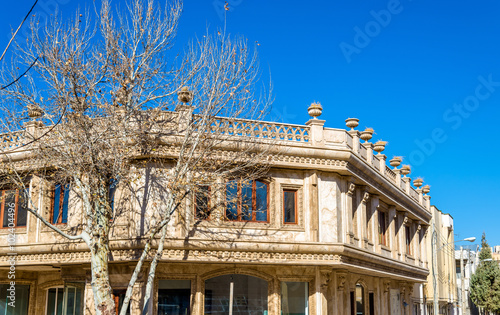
(485, 282)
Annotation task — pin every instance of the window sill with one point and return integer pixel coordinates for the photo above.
(19, 230)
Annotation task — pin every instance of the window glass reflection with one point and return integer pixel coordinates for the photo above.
(245, 294)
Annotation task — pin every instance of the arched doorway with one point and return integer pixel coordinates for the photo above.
(236, 294)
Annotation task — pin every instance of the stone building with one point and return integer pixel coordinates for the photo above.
(338, 232)
(444, 278)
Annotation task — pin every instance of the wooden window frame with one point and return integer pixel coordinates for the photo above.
(254, 202)
(295, 193)
(16, 203)
(382, 225)
(209, 202)
(61, 202)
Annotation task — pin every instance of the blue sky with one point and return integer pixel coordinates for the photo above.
(424, 74)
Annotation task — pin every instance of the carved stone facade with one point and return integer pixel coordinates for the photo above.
(348, 261)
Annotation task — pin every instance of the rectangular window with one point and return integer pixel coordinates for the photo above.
(290, 206)
(408, 240)
(382, 228)
(294, 298)
(13, 207)
(60, 201)
(21, 299)
(247, 201)
(202, 202)
(174, 296)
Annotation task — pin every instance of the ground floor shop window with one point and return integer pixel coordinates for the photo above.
(66, 300)
(174, 297)
(243, 294)
(294, 298)
(14, 299)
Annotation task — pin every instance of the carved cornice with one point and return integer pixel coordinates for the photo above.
(218, 256)
(176, 255)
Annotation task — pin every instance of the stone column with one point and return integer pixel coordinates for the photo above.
(369, 152)
(423, 245)
(342, 304)
(198, 297)
(325, 274)
(391, 232)
(407, 182)
(427, 202)
(185, 115)
(398, 177)
(89, 296)
(418, 245)
(420, 196)
(363, 220)
(355, 140)
(402, 219)
(386, 286)
(373, 221)
(314, 206)
(350, 194)
(316, 129)
(382, 158)
(137, 301)
(274, 299)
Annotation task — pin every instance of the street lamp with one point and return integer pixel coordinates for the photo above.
(434, 264)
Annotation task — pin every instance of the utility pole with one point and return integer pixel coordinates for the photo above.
(462, 281)
(434, 266)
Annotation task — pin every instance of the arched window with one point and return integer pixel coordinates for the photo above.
(67, 300)
(244, 294)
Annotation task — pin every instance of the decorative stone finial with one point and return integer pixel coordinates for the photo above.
(367, 134)
(315, 110)
(352, 123)
(395, 161)
(417, 182)
(379, 146)
(184, 95)
(426, 189)
(405, 170)
(34, 111)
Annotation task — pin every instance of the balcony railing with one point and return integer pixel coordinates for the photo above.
(331, 138)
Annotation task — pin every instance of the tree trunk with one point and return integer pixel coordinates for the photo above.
(103, 299)
(152, 271)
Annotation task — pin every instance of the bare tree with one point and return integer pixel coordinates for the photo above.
(102, 98)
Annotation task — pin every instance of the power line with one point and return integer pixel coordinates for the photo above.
(20, 25)
(22, 75)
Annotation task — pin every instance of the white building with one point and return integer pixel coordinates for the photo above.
(466, 261)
